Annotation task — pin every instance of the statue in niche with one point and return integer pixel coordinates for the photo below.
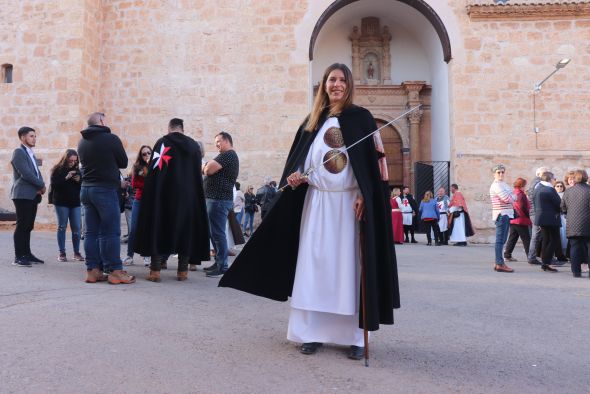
(371, 67)
(371, 56)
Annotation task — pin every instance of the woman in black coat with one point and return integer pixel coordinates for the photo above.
(250, 209)
(576, 205)
(257, 269)
(65, 196)
(548, 218)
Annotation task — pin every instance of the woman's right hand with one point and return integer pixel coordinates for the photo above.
(296, 179)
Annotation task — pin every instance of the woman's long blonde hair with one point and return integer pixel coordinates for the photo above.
(428, 196)
(395, 192)
(322, 101)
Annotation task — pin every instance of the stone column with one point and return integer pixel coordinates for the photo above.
(386, 61)
(407, 164)
(413, 88)
(356, 55)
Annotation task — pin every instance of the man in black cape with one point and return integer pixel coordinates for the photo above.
(266, 266)
(173, 216)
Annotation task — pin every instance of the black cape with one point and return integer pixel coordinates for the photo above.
(173, 216)
(469, 232)
(266, 265)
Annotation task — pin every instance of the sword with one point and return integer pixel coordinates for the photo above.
(311, 169)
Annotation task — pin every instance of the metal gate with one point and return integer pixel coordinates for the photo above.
(431, 175)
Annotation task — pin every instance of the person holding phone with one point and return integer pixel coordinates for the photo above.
(65, 196)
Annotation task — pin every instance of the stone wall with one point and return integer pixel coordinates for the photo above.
(216, 65)
(54, 47)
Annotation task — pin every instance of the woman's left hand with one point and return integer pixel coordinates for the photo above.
(359, 208)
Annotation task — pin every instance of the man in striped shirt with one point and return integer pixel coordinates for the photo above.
(502, 211)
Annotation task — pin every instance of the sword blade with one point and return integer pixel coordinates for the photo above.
(365, 137)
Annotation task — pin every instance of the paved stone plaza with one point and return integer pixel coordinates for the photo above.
(462, 328)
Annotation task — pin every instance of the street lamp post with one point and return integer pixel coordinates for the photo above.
(537, 88)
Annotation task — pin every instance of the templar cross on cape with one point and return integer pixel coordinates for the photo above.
(161, 157)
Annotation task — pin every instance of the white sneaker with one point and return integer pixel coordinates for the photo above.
(147, 261)
(128, 261)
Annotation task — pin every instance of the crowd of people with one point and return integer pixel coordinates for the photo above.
(444, 219)
(65, 188)
(537, 215)
(551, 218)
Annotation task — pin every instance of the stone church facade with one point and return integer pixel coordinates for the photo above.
(250, 68)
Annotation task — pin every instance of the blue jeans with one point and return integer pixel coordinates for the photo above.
(102, 217)
(63, 214)
(502, 227)
(218, 211)
(536, 239)
(133, 227)
(239, 216)
(249, 219)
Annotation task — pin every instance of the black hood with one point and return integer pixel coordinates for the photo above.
(180, 141)
(92, 131)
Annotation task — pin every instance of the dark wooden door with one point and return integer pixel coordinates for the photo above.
(393, 152)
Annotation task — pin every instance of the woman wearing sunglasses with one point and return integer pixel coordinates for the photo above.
(502, 212)
(139, 171)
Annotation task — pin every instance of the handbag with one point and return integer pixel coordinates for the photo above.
(235, 228)
(50, 194)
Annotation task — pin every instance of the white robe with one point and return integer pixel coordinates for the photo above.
(458, 234)
(443, 223)
(406, 208)
(324, 302)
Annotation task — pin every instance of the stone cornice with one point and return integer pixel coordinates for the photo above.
(529, 11)
(386, 90)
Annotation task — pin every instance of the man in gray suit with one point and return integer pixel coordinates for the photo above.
(26, 192)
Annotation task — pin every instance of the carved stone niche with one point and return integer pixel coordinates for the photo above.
(371, 64)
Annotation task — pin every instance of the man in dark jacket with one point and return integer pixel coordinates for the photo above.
(576, 205)
(101, 155)
(265, 196)
(536, 237)
(547, 217)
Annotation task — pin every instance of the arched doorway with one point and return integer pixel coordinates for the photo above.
(392, 143)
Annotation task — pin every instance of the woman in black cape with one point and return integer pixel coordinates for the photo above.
(282, 259)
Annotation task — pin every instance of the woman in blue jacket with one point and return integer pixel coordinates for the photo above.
(430, 215)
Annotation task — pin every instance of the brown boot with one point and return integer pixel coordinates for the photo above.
(94, 275)
(118, 277)
(182, 275)
(154, 276)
